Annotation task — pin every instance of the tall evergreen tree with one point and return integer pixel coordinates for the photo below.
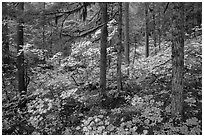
(177, 59)
(5, 38)
(126, 32)
(20, 43)
(43, 33)
(159, 25)
(146, 30)
(154, 25)
(119, 46)
(104, 35)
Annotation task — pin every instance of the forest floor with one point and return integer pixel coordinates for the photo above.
(59, 106)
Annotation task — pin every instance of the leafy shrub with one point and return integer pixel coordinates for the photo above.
(189, 127)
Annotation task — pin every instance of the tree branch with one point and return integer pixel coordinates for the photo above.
(63, 25)
(83, 34)
(162, 63)
(74, 80)
(66, 12)
(166, 6)
(91, 30)
(94, 16)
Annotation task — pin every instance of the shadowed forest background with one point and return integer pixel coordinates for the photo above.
(101, 68)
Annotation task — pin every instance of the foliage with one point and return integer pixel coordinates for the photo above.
(189, 127)
(63, 95)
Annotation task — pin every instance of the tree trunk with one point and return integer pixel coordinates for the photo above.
(154, 26)
(20, 57)
(135, 48)
(195, 7)
(104, 35)
(177, 59)
(119, 49)
(127, 50)
(146, 30)
(43, 25)
(51, 43)
(159, 28)
(5, 38)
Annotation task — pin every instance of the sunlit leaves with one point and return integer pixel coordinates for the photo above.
(66, 94)
(191, 101)
(190, 127)
(138, 101)
(153, 114)
(192, 121)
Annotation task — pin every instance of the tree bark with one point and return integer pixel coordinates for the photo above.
(126, 41)
(159, 29)
(154, 26)
(119, 49)
(104, 35)
(5, 38)
(51, 42)
(177, 59)
(135, 48)
(43, 26)
(146, 30)
(20, 57)
(195, 7)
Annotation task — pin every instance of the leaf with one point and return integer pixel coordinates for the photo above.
(190, 100)
(159, 103)
(97, 120)
(192, 121)
(168, 109)
(85, 129)
(145, 132)
(147, 121)
(100, 128)
(110, 127)
(100, 116)
(184, 130)
(196, 131)
(67, 131)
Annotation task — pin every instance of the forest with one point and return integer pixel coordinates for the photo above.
(101, 68)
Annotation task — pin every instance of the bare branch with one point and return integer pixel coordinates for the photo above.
(166, 7)
(66, 12)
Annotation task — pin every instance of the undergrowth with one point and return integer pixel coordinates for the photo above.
(61, 101)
